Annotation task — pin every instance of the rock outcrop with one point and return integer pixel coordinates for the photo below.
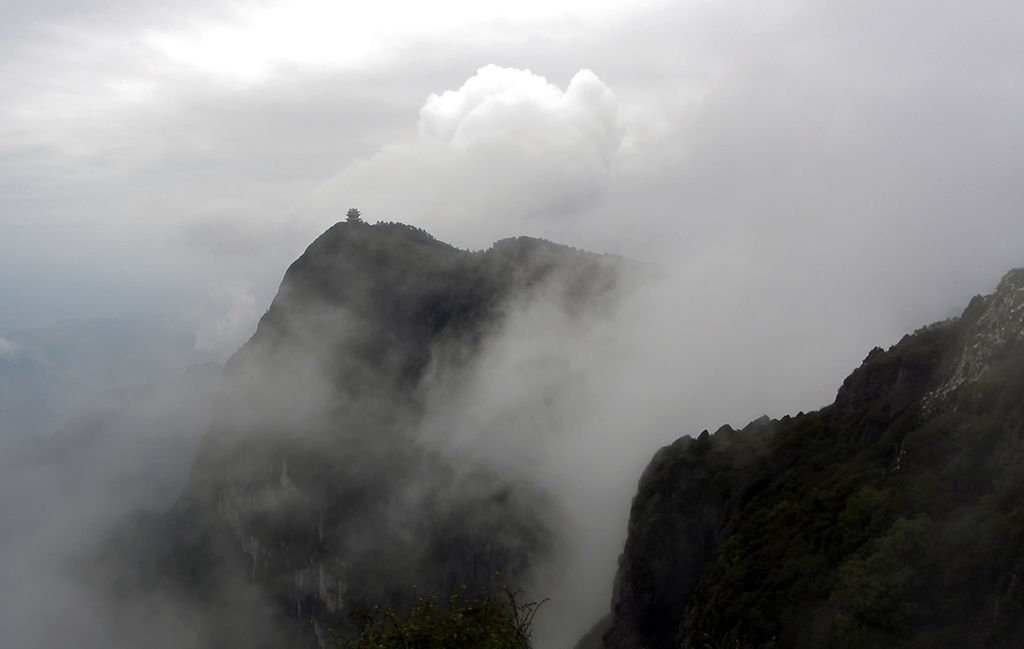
(891, 518)
(313, 488)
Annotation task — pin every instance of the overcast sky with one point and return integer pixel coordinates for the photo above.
(814, 177)
(860, 159)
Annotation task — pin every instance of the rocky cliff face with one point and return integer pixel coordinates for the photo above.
(889, 519)
(676, 526)
(314, 489)
(995, 325)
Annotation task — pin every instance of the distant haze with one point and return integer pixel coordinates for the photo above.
(810, 179)
(153, 154)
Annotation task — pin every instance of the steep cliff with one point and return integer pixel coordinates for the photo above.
(314, 489)
(892, 518)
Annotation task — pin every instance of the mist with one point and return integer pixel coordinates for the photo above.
(65, 492)
(803, 181)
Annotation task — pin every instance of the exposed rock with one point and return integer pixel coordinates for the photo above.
(889, 519)
(312, 479)
(995, 325)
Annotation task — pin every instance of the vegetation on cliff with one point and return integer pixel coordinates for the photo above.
(893, 518)
(490, 621)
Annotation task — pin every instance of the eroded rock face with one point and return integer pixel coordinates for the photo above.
(996, 324)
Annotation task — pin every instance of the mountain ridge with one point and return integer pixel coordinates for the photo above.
(886, 519)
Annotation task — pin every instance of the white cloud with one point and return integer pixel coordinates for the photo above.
(230, 227)
(504, 104)
(249, 42)
(506, 153)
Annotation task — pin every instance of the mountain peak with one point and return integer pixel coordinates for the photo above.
(315, 448)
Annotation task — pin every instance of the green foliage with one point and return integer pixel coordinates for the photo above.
(460, 622)
(875, 588)
(866, 513)
(353, 216)
(876, 522)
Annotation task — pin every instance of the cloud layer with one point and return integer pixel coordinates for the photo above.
(814, 178)
(505, 151)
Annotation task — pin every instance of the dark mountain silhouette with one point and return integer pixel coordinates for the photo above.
(313, 490)
(892, 518)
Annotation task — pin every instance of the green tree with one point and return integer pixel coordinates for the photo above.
(353, 216)
(486, 622)
(874, 590)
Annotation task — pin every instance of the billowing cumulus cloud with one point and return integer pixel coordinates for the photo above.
(508, 105)
(503, 154)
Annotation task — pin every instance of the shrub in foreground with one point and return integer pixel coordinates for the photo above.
(486, 622)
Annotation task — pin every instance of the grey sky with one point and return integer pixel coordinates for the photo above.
(159, 158)
(814, 177)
